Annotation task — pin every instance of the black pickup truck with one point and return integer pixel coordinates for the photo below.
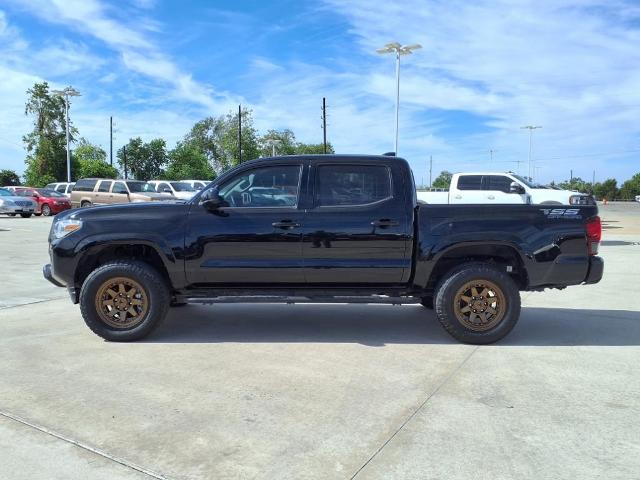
(328, 228)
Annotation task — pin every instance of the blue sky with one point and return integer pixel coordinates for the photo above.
(486, 68)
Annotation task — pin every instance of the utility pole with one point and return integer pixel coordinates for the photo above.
(66, 93)
(430, 169)
(111, 141)
(491, 154)
(324, 125)
(571, 176)
(593, 179)
(239, 133)
(531, 128)
(399, 50)
(124, 160)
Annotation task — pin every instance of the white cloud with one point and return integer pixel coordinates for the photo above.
(570, 66)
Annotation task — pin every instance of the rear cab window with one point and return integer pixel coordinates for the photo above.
(352, 185)
(469, 182)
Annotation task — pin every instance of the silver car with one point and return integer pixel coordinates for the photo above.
(13, 205)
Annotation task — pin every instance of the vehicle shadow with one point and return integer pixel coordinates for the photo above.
(378, 325)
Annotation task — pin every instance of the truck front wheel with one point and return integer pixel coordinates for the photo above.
(124, 300)
(477, 303)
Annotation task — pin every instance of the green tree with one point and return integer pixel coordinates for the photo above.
(144, 161)
(607, 189)
(443, 180)
(187, 161)
(217, 138)
(280, 142)
(46, 143)
(92, 161)
(283, 142)
(577, 184)
(313, 148)
(8, 178)
(249, 139)
(630, 188)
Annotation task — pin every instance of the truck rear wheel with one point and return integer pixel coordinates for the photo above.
(124, 300)
(477, 303)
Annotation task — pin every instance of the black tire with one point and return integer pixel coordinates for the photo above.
(86, 204)
(25, 215)
(11, 214)
(155, 288)
(455, 280)
(46, 210)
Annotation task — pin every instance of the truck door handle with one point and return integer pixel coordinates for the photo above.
(285, 224)
(491, 197)
(458, 197)
(385, 223)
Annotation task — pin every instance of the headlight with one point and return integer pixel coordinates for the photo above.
(65, 227)
(581, 200)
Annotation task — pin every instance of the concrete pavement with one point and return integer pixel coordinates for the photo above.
(321, 391)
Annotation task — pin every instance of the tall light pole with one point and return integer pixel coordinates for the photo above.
(531, 128)
(399, 50)
(66, 93)
(273, 142)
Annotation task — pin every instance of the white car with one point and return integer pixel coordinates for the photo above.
(181, 190)
(637, 198)
(64, 188)
(197, 184)
(12, 205)
(502, 188)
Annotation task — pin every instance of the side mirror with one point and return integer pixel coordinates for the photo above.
(166, 190)
(211, 200)
(515, 187)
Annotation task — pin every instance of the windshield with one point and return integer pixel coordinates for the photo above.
(5, 193)
(182, 187)
(49, 193)
(140, 187)
(527, 182)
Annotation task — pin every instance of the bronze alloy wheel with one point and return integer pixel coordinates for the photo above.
(480, 305)
(121, 303)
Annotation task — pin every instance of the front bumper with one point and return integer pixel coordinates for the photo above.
(596, 270)
(16, 209)
(46, 272)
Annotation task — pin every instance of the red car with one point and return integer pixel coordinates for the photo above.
(49, 202)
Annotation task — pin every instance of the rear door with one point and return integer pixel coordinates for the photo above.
(357, 229)
(468, 189)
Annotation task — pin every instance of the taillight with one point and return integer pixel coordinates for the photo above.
(594, 234)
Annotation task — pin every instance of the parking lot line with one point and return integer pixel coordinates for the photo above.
(84, 446)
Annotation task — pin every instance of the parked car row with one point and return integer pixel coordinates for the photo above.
(57, 197)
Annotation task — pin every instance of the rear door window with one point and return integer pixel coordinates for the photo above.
(342, 185)
(470, 182)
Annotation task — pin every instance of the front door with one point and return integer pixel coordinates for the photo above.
(497, 190)
(256, 239)
(358, 230)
